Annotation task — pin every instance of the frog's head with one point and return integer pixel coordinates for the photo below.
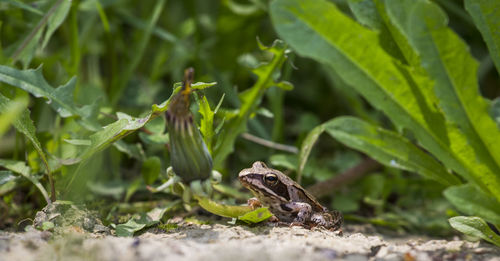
(264, 181)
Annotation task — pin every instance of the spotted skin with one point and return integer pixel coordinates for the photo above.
(286, 199)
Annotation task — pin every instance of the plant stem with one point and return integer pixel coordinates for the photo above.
(35, 30)
(324, 188)
(270, 144)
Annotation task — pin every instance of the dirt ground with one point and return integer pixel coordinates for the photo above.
(223, 241)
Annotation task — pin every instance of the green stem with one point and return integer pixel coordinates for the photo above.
(35, 30)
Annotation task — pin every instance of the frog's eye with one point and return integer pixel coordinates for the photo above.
(271, 178)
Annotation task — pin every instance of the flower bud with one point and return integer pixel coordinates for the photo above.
(190, 158)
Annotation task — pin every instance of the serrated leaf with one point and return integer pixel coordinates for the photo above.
(125, 125)
(476, 227)
(486, 16)
(60, 99)
(115, 131)
(388, 148)
(474, 202)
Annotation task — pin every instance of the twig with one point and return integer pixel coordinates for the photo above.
(270, 144)
(325, 187)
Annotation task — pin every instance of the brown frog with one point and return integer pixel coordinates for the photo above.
(286, 199)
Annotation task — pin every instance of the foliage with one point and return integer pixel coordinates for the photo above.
(426, 84)
(85, 84)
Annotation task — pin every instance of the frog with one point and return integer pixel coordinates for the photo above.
(286, 199)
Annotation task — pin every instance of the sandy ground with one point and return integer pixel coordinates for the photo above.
(236, 242)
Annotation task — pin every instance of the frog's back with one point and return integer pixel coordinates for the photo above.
(301, 195)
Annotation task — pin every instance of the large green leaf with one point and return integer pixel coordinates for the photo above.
(454, 71)
(60, 99)
(476, 227)
(474, 202)
(486, 16)
(387, 147)
(317, 29)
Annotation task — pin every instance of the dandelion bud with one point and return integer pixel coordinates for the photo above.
(190, 158)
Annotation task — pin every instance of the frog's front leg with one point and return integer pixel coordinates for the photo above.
(254, 203)
(302, 209)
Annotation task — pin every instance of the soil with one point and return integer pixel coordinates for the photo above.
(222, 241)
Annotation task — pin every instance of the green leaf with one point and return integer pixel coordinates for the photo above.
(449, 64)
(221, 209)
(366, 13)
(476, 227)
(202, 85)
(21, 168)
(256, 216)
(24, 125)
(47, 225)
(472, 201)
(306, 147)
(6, 176)
(286, 161)
(404, 94)
(56, 19)
(144, 220)
(115, 131)
(251, 98)
(60, 99)
(486, 16)
(150, 170)
(10, 111)
(207, 123)
(24, 6)
(388, 148)
(495, 111)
